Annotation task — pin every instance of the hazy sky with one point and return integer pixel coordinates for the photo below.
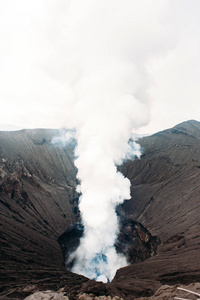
(49, 48)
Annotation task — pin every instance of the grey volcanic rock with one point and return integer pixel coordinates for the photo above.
(164, 292)
(47, 295)
(38, 203)
(170, 292)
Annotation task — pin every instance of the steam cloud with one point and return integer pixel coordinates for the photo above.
(83, 65)
(109, 85)
(86, 62)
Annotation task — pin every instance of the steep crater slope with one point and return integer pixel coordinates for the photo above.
(37, 192)
(165, 188)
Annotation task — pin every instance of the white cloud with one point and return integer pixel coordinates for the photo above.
(175, 89)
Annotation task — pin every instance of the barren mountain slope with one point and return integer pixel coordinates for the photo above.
(166, 200)
(37, 181)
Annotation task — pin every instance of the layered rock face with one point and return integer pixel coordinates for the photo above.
(38, 203)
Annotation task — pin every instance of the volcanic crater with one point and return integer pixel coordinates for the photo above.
(159, 226)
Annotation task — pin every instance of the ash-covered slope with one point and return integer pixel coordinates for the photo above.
(38, 204)
(166, 200)
(37, 181)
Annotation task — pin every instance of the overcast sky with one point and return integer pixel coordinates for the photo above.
(48, 48)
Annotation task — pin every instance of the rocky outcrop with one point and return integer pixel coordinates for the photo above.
(175, 292)
(135, 242)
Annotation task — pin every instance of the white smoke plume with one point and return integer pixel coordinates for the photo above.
(108, 44)
(83, 65)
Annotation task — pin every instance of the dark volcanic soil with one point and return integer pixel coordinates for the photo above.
(37, 182)
(165, 199)
(38, 204)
